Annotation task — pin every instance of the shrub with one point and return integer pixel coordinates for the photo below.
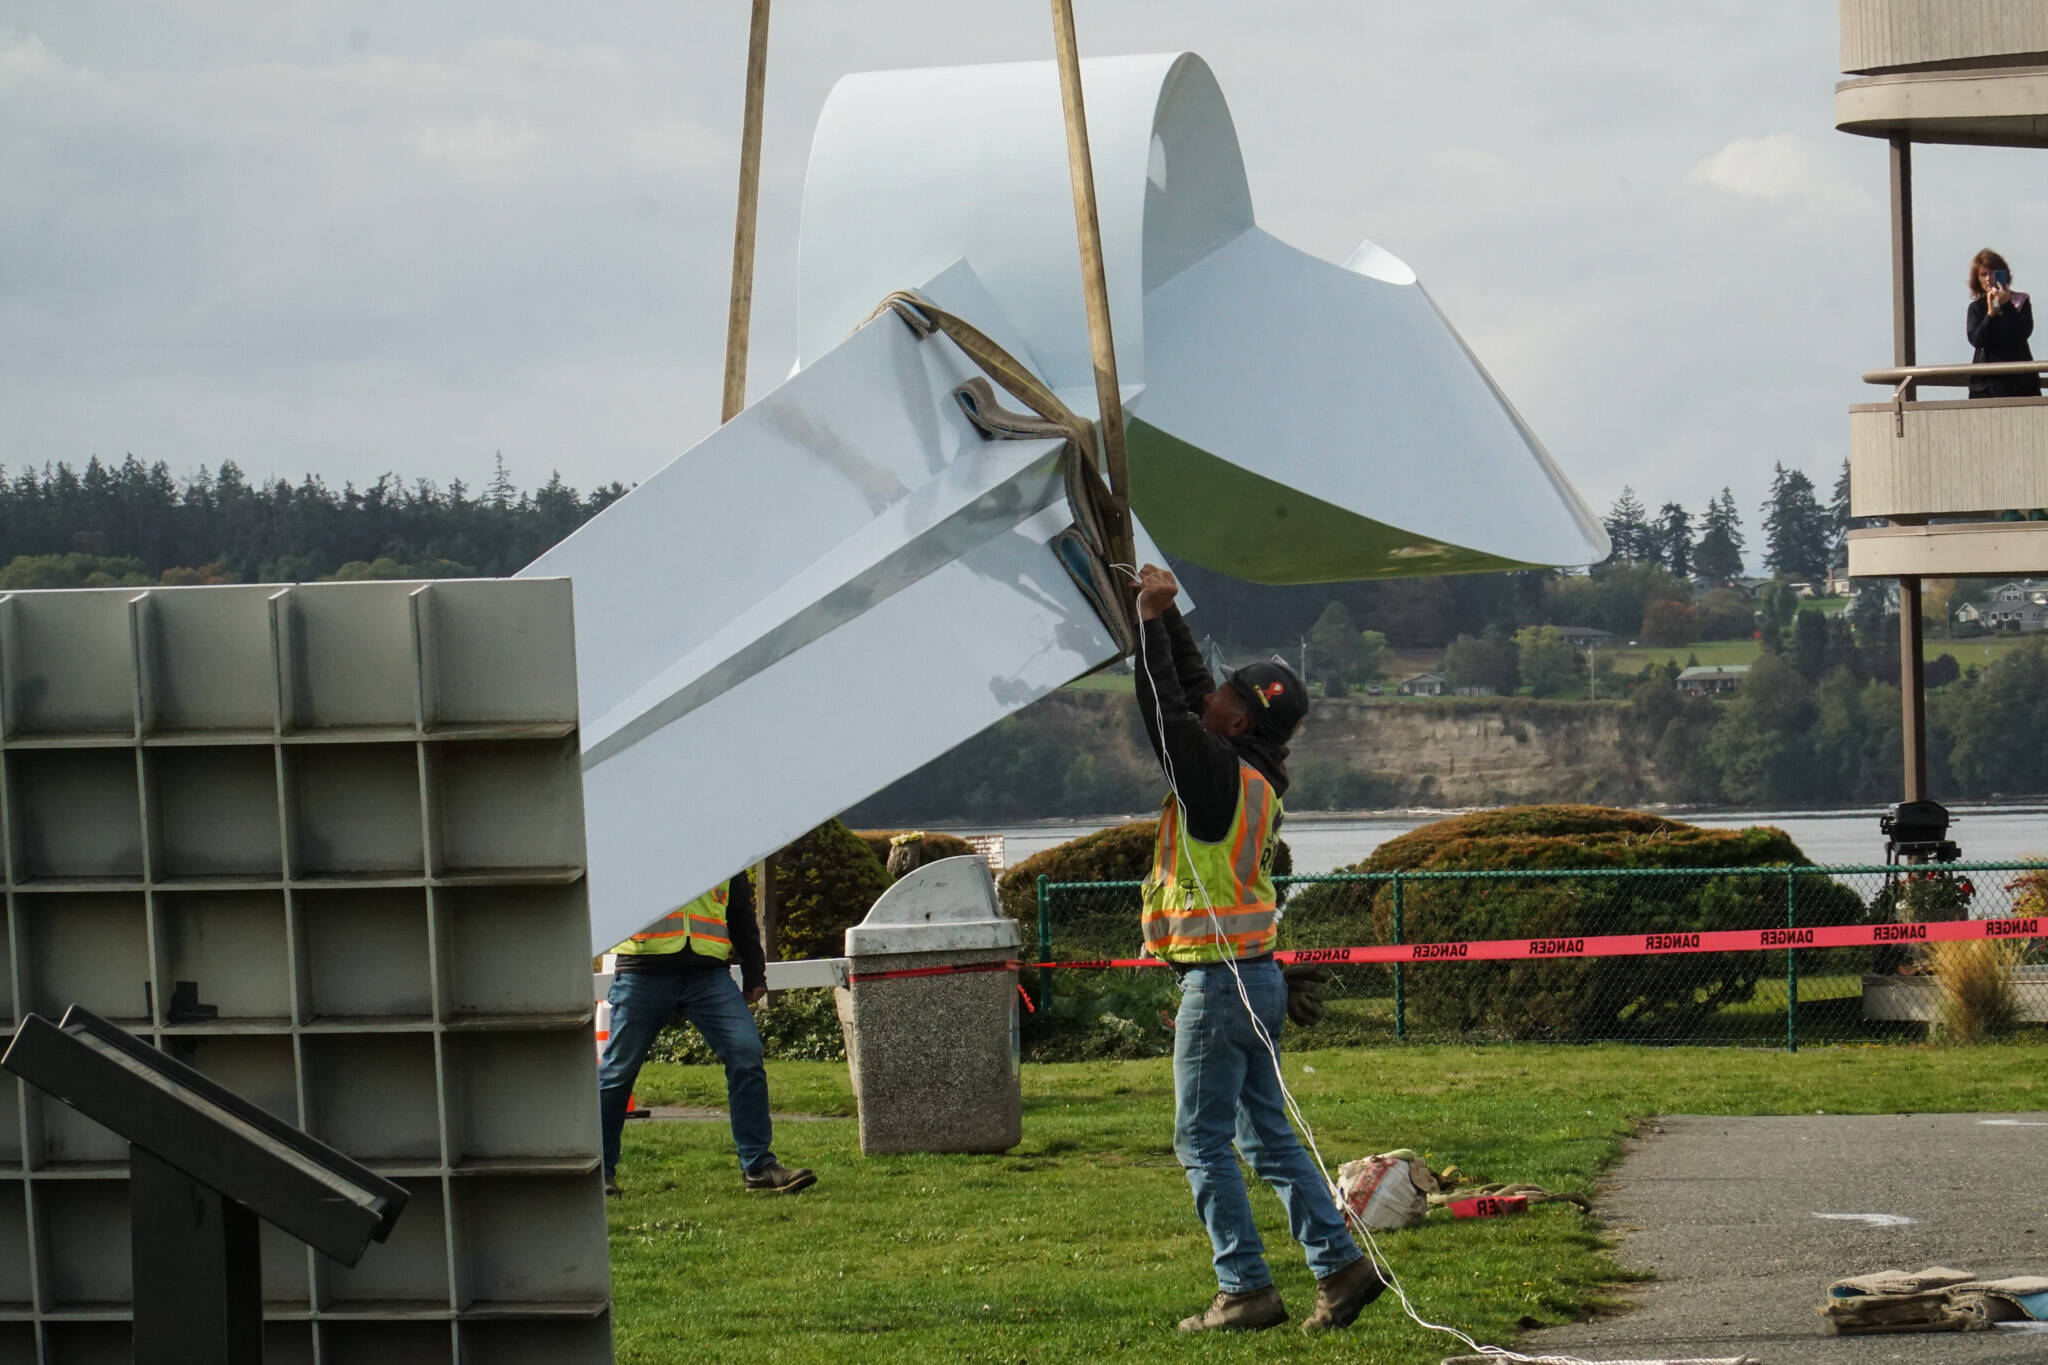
(1976, 978)
(1089, 1015)
(1669, 623)
(1581, 998)
(934, 846)
(825, 882)
(796, 1026)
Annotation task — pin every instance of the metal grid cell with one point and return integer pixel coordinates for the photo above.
(324, 843)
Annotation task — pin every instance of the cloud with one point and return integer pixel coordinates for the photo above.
(1778, 167)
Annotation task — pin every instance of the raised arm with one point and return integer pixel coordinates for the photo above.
(1203, 766)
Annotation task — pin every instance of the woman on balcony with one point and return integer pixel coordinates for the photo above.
(1999, 323)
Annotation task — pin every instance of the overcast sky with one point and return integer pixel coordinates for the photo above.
(354, 237)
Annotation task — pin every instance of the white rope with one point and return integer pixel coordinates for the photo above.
(1294, 1111)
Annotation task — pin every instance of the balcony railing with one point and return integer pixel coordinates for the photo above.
(1947, 458)
(1963, 465)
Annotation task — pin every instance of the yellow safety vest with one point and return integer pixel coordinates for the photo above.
(1237, 873)
(698, 926)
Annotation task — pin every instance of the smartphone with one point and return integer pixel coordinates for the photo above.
(2002, 278)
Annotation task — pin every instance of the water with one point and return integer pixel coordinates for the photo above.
(1326, 843)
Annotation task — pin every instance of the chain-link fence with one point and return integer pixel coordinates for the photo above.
(1964, 990)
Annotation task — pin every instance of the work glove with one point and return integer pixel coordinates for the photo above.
(1305, 992)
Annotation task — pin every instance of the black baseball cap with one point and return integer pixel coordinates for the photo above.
(1277, 698)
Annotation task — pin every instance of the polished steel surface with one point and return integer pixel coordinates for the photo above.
(847, 579)
(1316, 395)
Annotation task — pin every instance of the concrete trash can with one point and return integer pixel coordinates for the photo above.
(934, 1055)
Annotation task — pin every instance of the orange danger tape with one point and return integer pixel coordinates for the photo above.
(1638, 945)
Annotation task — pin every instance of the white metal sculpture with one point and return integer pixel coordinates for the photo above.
(851, 577)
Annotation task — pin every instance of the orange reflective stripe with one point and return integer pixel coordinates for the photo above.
(1244, 827)
(1245, 858)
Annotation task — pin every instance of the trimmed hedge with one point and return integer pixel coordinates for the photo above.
(1582, 998)
(825, 882)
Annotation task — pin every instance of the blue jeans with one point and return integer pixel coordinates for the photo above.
(641, 1003)
(1225, 1088)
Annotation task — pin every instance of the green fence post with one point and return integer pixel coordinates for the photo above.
(1400, 974)
(1791, 963)
(1044, 935)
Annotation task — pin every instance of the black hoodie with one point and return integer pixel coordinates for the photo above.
(1172, 681)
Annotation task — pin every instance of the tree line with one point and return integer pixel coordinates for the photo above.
(1803, 537)
(131, 523)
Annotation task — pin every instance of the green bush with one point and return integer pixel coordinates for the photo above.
(1090, 1015)
(796, 1026)
(1582, 998)
(825, 882)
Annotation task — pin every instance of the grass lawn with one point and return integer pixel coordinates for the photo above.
(1082, 1245)
(1981, 651)
(1708, 652)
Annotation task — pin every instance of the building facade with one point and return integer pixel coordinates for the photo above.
(1933, 475)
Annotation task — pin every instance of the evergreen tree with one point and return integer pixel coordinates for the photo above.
(1718, 555)
(1810, 644)
(1796, 527)
(1838, 512)
(1674, 539)
(1629, 529)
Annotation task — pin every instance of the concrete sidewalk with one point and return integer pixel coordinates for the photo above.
(1741, 1221)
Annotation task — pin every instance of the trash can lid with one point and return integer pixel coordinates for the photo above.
(944, 906)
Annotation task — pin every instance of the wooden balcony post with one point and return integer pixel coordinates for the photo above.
(1912, 691)
(1903, 317)
(1912, 676)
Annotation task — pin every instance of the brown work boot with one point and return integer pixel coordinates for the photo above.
(776, 1178)
(1252, 1311)
(1342, 1295)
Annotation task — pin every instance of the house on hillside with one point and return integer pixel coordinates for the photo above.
(1586, 637)
(2018, 605)
(1425, 685)
(1707, 680)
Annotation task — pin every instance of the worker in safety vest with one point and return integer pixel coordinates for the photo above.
(1209, 906)
(680, 966)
